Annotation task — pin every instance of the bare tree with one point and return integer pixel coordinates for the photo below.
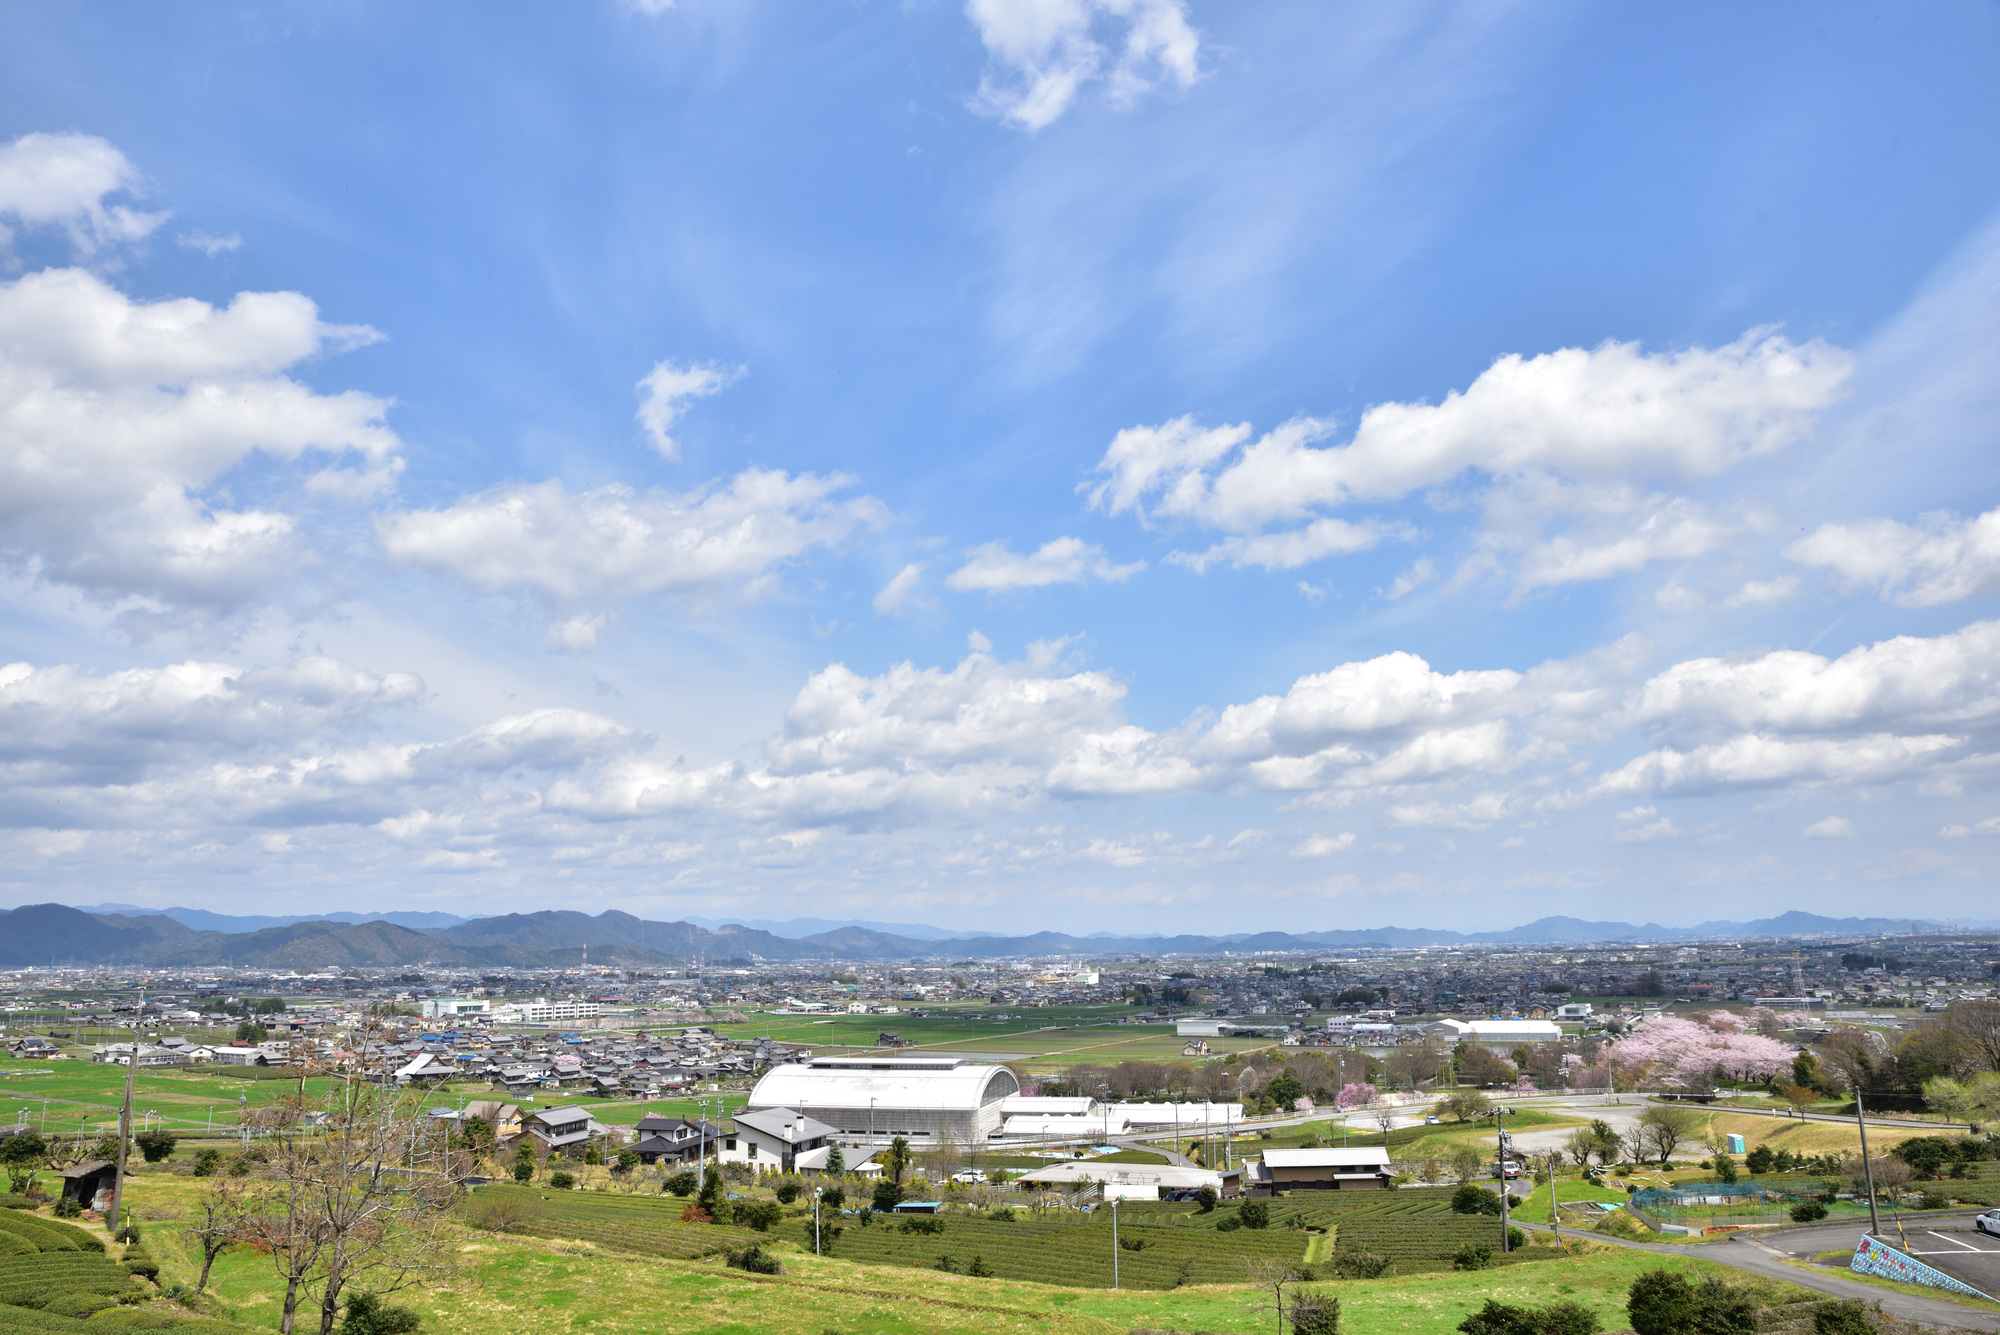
(218, 1220)
(1581, 1145)
(358, 1195)
(1663, 1130)
(1272, 1274)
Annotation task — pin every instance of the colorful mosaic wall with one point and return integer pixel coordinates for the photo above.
(1875, 1257)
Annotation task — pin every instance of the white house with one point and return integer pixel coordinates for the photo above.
(773, 1140)
(450, 1008)
(1575, 1010)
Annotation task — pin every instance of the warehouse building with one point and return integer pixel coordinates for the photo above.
(873, 1099)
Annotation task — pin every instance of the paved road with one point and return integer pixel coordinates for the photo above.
(1764, 1255)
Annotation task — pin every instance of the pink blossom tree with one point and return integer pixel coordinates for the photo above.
(1355, 1096)
(1687, 1055)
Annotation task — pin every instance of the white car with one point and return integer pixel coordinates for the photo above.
(974, 1176)
(1988, 1223)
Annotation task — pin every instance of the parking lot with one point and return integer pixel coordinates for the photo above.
(1947, 1242)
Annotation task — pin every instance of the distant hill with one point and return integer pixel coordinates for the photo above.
(204, 921)
(43, 934)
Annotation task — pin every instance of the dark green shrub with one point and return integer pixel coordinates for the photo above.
(68, 1208)
(888, 1195)
(923, 1223)
(593, 1156)
(206, 1162)
(786, 1192)
(1843, 1318)
(367, 1314)
(1661, 1303)
(1314, 1313)
(142, 1266)
(1564, 1317)
(1229, 1223)
(1472, 1256)
(979, 1269)
(1725, 1168)
(1760, 1160)
(129, 1234)
(759, 1215)
(1473, 1199)
(627, 1160)
(680, 1184)
(1132, 1244)
(156, 1145)
(1497, 1318)
(1933, 1200)
(562, 1181)
(947, 1264)
(1516, 1239)
(1361, 1265)
(1806, 1212)
(755, 1260)
(1254, 1214)
(1206, 1198)
(832, 1198)
(1723, 1309)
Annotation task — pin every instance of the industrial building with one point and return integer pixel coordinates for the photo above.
(1497, 1033)
(1318, 1170)
(874, 1099)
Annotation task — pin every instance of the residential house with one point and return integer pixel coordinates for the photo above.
(772, 1140)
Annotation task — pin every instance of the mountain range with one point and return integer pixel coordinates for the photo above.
(54, 933)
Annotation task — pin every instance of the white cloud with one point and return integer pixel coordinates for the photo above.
(208, 244)
(1320, 845)
(1418, 575)
(994, 568)
(1833, 827)
(1043, 52)
(651, 9)
(1642, 825)
(115, 415)
(1573, 436)
(900, 592)
(612, 544)
(1944, 560)
(62, 180)
(1991, 825)
(668, 387)
(1763, 592)
(1297, 547)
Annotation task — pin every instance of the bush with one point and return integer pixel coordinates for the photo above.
(979, 1269)
(367, 1314)
(1314, 1313)
(1254, 1214)
(1497, 1318)
(1361, 1265)
(1806, 1212)
(786, 1192)
(1001, 1214)
(947, 1264)
(1932, 1200)
(759, 1215)
(923, 1223)
(1516, 1239)
(1229, 1223)
(1564, 1317)
(1725, 1168)
(1472, 1199)
(833, 1198)
(142, 1266)
(156, 1145)
(129, 1234)
(83, 1304)
(680, 1184)
(1472, 1256)
(755, 1260)
(498, 1211)
(627, 1161)
(1843, 1318)
(68, 1208)
(206, 1162)
(1661, 1303)
(524, 1168)
(1723, 1309)
(562, 1181)
(593, 1156)
(888, 1195)
(1206, 1198)
(1760, 1160)
(1132, 1244)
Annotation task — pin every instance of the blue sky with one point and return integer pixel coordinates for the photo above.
(1104, 464)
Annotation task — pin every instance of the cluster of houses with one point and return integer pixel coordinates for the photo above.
(609, 1065)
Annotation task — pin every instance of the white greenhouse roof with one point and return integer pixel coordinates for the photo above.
(947, 1084)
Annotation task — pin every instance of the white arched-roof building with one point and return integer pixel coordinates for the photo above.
(877, 1098)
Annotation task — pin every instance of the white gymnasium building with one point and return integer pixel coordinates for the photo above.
(873, 1099)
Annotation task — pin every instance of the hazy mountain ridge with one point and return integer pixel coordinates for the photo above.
(42, 934)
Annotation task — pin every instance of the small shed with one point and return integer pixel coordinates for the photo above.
(90, 1183)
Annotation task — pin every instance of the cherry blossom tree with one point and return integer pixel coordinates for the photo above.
(1355, 1096)
(1689, 1055)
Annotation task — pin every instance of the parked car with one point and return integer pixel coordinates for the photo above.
(974, 1176)
(1432, 1120)
(1512, 1171)
(1988, 1223)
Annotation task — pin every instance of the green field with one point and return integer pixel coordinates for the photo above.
(532, 1285)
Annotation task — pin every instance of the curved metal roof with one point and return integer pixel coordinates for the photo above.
(885, 1084)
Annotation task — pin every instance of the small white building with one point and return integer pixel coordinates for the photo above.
(774, 1140)
(1575, 1010)
(1497, 1033)
(1126, 1181)
(450, 1008)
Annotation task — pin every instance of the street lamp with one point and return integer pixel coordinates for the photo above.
(816, 1192)
(1114, 1242)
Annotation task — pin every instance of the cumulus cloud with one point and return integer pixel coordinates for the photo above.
(1832, 827)
(1763, 592)
(115, 415)
(1042, 53)
(208, 243)
(1642, 825)
(993, 567)
(62, 181)
(666, 390)
(1577, 434)
(612, 544)
(1289, 550)
(1943, 559)
(1322, 845)
(901, 590)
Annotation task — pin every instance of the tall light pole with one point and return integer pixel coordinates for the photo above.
(1500, 1154)
(1114, 1242)
(816, 1191)
(125, 1125)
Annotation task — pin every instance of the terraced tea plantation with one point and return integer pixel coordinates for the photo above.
(644, 1225)
(54, 1275)
(1070, 1250)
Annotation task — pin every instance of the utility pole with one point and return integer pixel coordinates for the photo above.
(1555, 1217)
(125, 1122)
(1114, 1242)
(1861, 1120)
(816, 1191)
(1500, 1154)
